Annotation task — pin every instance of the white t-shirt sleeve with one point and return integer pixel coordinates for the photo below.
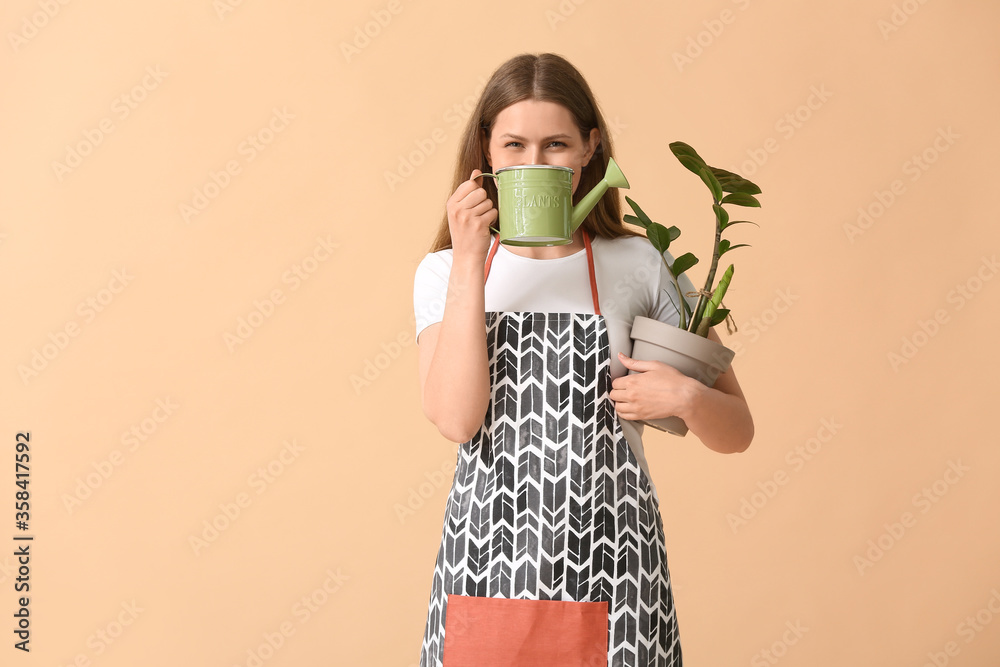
(666, 302)
(430, 289)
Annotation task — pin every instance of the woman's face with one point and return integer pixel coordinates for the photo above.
(536, 132)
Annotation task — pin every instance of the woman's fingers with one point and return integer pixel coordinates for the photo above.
(465, 189)
(475, 198)
(470, 214)
(482, 208)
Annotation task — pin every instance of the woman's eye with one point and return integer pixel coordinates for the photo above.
(557, 144)
(512, 144)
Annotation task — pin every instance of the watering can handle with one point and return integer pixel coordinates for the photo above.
(484, 174)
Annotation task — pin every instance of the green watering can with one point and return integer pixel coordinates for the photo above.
(536, 202)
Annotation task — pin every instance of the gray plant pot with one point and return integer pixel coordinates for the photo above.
(691, 354)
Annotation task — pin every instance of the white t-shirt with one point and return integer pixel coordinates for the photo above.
(631, 281)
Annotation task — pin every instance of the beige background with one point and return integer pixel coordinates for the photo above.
(298, 432)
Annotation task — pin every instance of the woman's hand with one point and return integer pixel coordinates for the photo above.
(718, 415)
(655, 391)
(470, 214)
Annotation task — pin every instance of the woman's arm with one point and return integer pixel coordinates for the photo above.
(454, 365)
(718, 415)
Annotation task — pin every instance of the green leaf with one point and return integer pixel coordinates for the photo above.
(711, 182)
(731, 247)
(667, 292)
(742, 222)
(739, 185)
(674, 232)
(659, 236)
(719, 293)
(644, 220)
(692, 164)
(734, 182)
(680, 148)
(723, 174)
(632, 220)
(683, 263)
(719, 316)
(741, 199)
(721, 216)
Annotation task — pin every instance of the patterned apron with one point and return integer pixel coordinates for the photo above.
(549, 503)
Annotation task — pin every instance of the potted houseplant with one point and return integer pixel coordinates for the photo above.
(686, 346)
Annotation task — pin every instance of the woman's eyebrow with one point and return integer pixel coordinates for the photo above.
(515, 137)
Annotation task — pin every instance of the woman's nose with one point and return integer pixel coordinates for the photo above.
(536, 155)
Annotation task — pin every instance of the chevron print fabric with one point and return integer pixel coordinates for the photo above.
(549, 502)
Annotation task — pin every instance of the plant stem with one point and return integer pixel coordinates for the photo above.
(682, 324)
(713, 304)
(700, 306)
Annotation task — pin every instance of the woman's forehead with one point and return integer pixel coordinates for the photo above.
(535, 117)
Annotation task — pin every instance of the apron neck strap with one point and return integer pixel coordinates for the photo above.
(590, 267)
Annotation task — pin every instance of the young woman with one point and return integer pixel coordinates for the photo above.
(552, 550)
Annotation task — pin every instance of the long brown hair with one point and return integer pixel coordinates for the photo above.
(549, 78)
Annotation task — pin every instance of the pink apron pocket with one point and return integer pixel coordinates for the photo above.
(497, 632)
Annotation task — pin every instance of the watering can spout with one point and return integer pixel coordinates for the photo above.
(613, 178)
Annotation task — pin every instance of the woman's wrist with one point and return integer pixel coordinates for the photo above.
(469, 263)
(720, 420)
(693, 393)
